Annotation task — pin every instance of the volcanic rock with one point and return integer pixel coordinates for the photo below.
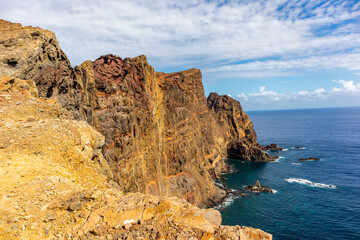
(258, 188)
(34, 53)
(53, 164)
(234, 129)
(271, 147)
(162, 136)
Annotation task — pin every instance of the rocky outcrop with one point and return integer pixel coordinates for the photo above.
(258, 188)
(34, 53)
(236, 129)
(271, 147)
(162, 136)
(55, 183)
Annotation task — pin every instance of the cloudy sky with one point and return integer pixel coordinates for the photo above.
(270, 54)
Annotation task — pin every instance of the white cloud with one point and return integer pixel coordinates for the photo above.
(202, 33)
(289, 67)
(319, 91)
(242, 96)
(267, 94)
(348, 88)
(262, 89)
(303, 93)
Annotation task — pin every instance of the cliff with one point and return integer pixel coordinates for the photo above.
(162, 136)
(55, 183)
(235, 126)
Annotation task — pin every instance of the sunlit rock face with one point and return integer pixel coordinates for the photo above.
(162, 136)
(56, 184)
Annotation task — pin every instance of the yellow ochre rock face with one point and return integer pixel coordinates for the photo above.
(46, 159)
(54, 183)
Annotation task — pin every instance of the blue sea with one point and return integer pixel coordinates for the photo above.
(313, 200)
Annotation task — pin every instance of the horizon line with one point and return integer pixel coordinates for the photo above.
(290, 109)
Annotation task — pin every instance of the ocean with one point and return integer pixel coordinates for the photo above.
(313, 200)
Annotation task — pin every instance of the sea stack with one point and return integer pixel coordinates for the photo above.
(258, 188)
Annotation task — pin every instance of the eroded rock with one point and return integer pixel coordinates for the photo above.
(258, 188)
(271, 147)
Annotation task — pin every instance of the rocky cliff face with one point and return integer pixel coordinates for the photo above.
(162, 136)
(55, 183)
(236, 128)
(34, 53)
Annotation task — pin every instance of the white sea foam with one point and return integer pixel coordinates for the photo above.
(312, 160)
(275, 191)
(310, 183)
(299, 148)
(285, 149)
(277, 160)
(227, 201)
(296, 163)
(219, 185)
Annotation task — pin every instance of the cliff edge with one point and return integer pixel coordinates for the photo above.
(162, 136)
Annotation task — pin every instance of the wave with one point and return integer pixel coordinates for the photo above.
(296, 163)
(277, 160)
(285, 149)
(220, 185)
(298, 148)
(275, 191)
(312, 160)
(310, 183)
(227, 201)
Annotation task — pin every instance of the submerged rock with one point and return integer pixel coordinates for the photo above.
(308, 159)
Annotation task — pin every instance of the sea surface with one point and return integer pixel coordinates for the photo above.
(313, 200)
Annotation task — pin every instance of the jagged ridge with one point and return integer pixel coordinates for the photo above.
(162, 136)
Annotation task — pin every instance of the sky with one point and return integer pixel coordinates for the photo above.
(268, 54)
